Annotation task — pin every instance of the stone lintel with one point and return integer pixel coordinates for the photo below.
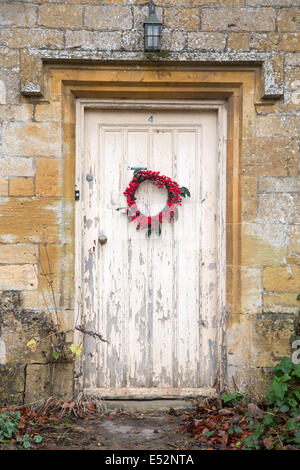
(32, 65)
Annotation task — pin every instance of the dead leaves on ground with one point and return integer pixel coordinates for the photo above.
(32, 421)
(209, 425)
(216, 428)
(226, 428)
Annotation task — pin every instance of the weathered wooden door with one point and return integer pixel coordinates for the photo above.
(154, 300)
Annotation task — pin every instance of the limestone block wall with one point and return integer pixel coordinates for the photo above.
(35, 251)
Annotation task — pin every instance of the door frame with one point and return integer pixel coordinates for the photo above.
(220, 106)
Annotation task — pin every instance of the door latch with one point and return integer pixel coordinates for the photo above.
(136, 167)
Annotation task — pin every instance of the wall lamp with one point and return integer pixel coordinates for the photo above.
(152, 30)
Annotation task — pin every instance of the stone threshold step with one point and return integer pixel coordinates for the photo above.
(149, 405)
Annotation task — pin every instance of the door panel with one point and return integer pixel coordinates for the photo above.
(153, 299)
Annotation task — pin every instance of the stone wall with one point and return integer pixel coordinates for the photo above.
(33, 253)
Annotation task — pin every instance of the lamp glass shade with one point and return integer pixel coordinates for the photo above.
(152, 33)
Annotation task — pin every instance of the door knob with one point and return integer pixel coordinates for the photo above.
(102, 239)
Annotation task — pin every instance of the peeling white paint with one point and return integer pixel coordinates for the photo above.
(7, 238)
(148, 296)
(2, 92)
(2, 352)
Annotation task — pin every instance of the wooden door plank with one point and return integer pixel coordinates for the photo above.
(139, 362)
(111, 258)
(209, 178)
(188, 260)
(162, 270)
(90, 268)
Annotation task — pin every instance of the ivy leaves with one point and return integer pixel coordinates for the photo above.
(278, 388)
(9, 421)
(185, 192)
(153, 230)
(286, 367)
(136, 173)
(282, 393)
(280, 425)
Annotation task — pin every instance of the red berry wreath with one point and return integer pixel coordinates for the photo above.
(175, 194)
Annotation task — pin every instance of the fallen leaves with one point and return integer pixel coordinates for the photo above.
(254, 411)
(207, 426)
(268, 442)
(31, 422)
(233, 428)
(217, 428)
(172, 412)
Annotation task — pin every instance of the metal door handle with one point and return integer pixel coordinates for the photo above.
(102, 239)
